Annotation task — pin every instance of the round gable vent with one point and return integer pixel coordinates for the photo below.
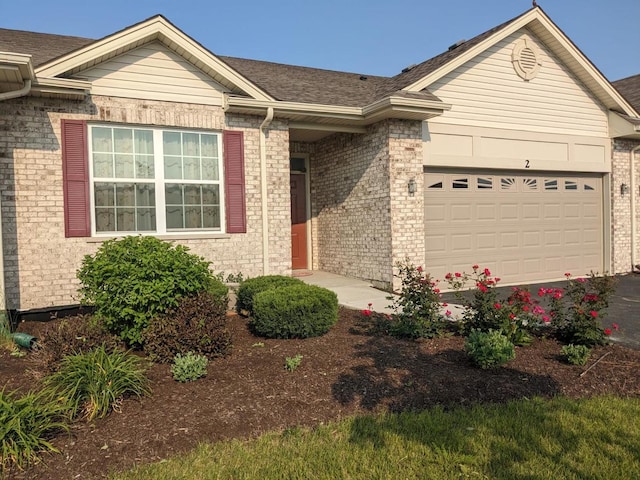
(526, 59)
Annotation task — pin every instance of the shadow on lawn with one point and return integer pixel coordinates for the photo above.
(403, 375)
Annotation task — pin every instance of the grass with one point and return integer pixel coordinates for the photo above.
(6, 340)
(527, 439)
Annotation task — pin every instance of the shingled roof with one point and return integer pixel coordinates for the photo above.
(629, 88)
(283, 82)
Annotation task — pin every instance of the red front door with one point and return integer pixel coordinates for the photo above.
(298, 222)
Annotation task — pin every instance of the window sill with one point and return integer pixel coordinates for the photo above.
(170, 237)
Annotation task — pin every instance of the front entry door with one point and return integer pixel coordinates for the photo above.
(298, 222)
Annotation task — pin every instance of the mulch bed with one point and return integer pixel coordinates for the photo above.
(345, 372)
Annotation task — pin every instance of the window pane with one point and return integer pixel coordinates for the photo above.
(173, 168)
(171, 143)
(123, 140)
(105, 219)
(191, 168)
(143, 141)
(173, 194)
(190, 144)
(210, 169)
(211, 217)
(146, 219)
(104, 194)
(192, 195)
(125, 195)
(174, 217)
(125, 219)
(211, 194)
(209, 145)
(124, 166)
(145, 195)
(103, 165)
(101, 139)
(192, 217)
(144, 166)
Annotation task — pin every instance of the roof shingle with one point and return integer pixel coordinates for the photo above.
(629, 88)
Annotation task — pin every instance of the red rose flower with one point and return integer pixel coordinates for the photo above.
(607, 331)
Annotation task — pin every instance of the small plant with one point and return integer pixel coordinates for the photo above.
(258, 344)
(6, 341)
(297, 311)
(417, 308)
(230, 278)
(189, 367)
(198, 324)
(133, 280)
(291, 363)
(27, 423)
(489, 349)
(576, 354)
(251, 287)
(95, 382)
(77, 334)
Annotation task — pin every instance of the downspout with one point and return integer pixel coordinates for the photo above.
(632, 183)
(263, 190)
(26, 88)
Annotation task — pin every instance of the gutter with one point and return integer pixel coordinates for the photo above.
(263, 190)
(632, 183)
(26, 88)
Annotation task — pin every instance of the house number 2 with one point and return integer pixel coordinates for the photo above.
(526, 164)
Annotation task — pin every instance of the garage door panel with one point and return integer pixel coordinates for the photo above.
(524, 228)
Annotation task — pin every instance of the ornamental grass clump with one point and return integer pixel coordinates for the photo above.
(296, 311)
(189, 367)
(134, 279)
(95, 382)
(489, 349)
(27, 424)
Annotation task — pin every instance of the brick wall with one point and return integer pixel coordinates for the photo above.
(40, 263)
(621, 205)
(363, 218)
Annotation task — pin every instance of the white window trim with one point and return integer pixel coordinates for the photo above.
(159, 181)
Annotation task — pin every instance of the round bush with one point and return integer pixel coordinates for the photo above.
(296, 311)
(249, 288)
(489, 349)
(197, 325)
(134, 279)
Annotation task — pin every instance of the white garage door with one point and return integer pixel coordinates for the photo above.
(524, 227)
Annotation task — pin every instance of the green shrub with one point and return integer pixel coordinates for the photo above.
(576, 354)
(77, 334)
(134, 279)
(95, 382)
(197, 325)
(291, 363)
(189, 367)
(297, 311)
(489, 349)
(26, 426)
(249, 288)
(417, 308)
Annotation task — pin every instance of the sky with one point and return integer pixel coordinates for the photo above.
(373, 37)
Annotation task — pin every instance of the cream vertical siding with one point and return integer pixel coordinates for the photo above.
(153, 72)
(487, 92)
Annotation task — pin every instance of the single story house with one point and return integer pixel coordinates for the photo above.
(510, 150)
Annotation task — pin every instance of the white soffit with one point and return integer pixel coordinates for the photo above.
(154, 29)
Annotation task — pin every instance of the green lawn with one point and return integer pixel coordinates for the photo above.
(537, 439)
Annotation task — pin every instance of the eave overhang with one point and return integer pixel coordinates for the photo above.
(624, 126)
(310, 114)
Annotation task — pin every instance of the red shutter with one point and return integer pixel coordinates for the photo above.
(233, 145)
(75, 177)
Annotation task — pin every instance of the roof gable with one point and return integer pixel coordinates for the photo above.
(546, 31)
(153, 29)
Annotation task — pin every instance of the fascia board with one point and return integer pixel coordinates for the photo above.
(20, 61)
(394, 101)
(283, 108)
(156, 28)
